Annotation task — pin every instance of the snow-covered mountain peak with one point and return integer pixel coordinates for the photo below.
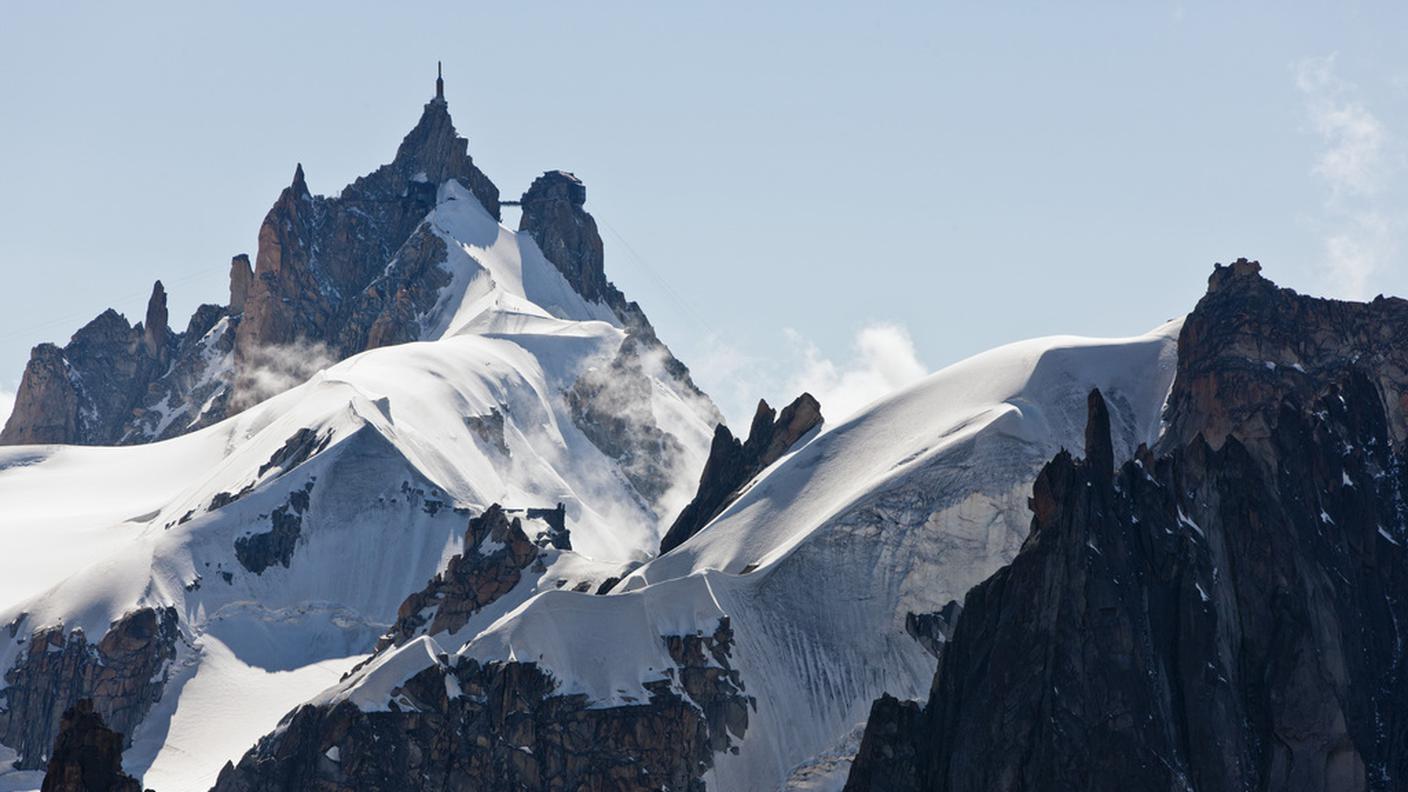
(439, 363)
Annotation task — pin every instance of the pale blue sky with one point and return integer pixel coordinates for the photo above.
(785, 176)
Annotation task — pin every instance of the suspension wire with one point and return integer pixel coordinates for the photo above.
(689, 311)
(124, 298)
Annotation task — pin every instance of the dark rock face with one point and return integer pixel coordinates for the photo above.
(489, 429)
(108, 384)
(296, 450)
(241, 276)
(87, 390)
(553, 214)
(318, 274)
(385, 312)
(1223, 614)
(933, 630)
(1249, 344)
(332, 276)
(472, 726)
(732, 464)
(496, 553)
(259, 551)
(123, 674)
(87, 755)
(893, 749)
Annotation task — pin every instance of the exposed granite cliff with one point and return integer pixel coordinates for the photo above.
(114, 382)
(87, 390)
(334, 276)
(1248, 344)
(1222, 614)
(732, 464)
(87, 755)
(319, 273)
(123, 674)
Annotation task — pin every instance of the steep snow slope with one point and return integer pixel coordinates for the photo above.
(286, 537)
(900, 509)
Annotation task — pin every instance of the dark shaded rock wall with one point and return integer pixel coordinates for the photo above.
(732, 464)
(87, 755)
(106, 385)
(1223, 614)
(1190, 622)
(475, 726)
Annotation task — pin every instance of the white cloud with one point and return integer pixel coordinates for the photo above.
(882, 361)
(1357, 250)
(1355, 164)
(7, 404)
(1353, 160)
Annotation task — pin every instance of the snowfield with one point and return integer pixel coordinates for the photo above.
(899, 509)
(92, 532)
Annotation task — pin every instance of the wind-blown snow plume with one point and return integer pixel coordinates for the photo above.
(1354, 164)
(271, 370)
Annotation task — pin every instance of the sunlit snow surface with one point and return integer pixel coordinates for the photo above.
(90, 533)
(901, 508)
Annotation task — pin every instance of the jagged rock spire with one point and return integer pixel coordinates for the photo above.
(156, 333)
(1099, 448)
(300, 184)
(241, 276)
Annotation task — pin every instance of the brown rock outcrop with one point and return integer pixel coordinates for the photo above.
(1249, 344)
(123, 674)
(554, 215)
(496, 551)
(46, 404)
(156, 333)
(241, 278)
